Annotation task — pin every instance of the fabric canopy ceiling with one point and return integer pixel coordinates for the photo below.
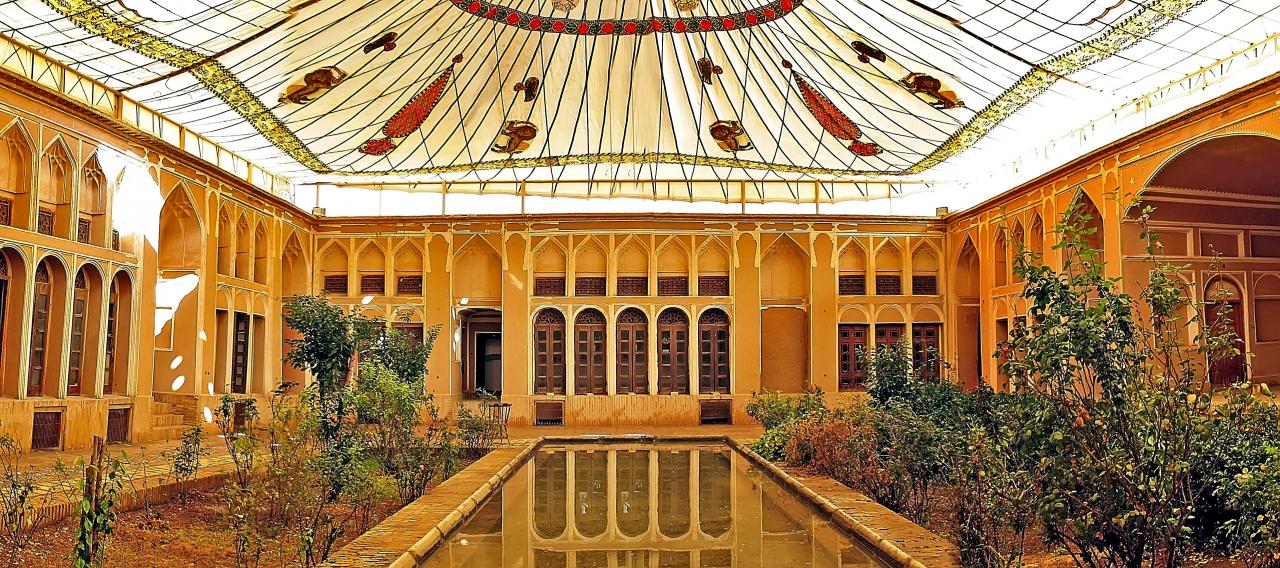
(620, 89)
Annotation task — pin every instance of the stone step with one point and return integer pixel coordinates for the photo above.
(169, 432)
(158, 407)
(158, 420)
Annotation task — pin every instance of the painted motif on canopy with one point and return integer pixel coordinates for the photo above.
(627, 26)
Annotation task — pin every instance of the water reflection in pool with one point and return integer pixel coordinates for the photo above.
(633, 506)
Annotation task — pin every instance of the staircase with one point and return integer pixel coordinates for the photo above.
(165, 424)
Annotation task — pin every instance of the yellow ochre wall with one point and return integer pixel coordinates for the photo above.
(225, 247)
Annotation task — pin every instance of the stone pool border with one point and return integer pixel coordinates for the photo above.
(392, 542)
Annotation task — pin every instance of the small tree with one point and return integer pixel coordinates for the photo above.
(184, 460)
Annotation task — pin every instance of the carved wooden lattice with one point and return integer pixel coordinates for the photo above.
(373, 284)
(853, 349)
(548, 352)
(83, 228)
(633, 352)
(336, 284)
(39, 332)
(409, 285)
(633, 285)
(589, 353)
(6, 211)
(713, 352)
(117, 425)
(44, 222)
(46, 431)
(888, 284)
(924, 285)
(549, 286)
(713, 285)
(673, 352)
(115, 240)
(925, 348)
(589, 286)
(673, 286)
(853, 284)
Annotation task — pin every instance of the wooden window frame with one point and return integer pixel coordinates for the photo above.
(241, 356)
(632, 358)
(40, 313)
(854, 341)
(75, 351)
(590, 353)
(673, 352)
(549, 339)
(714, 363)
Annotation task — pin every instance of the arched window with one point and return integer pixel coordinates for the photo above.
(589, 353)
(226, 253)
(633, 352)
(119, 308)
(1017, 244)
(15, 178)
(40, 304)
(591, 495)
(93, 189)
(548, 352)
(632, 503)
(550, 489)
(714, 501)
(674, 510)
(713, 352)
(1001, 260)
(260, 242)
(4, 313)
(1035, 237)
(75, 356)
(673, 352)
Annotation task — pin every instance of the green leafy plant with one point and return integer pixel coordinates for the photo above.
(101, 483)
(21, 504)
(184, 460)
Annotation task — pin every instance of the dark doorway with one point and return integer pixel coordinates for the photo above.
(240, 355)
(1228, 315)
(482, 351)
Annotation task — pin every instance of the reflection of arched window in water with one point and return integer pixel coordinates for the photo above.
(633, 492)
(721, 558)
(714, 501)
(590, 480)
(549, 558)
(591, 559)
(549, 498)
(673, 493)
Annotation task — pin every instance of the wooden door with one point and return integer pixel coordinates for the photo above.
(109, 364)
(713, 352)
(888, 334)
(1230, 370)
(633, 352)
(853, 352)
(39, 332)
(548, 352)
(925, 349)
(4, 308)
(589, 352)
(673, 352)
(240, 354)
(75, 357)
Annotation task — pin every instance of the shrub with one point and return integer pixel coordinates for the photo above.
(184, 459)
(22, 507)
(777, 412)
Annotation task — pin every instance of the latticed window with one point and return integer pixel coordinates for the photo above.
(673, 352)
(75, 357)
(888, 284)
(39, 332)
(336, 284)
(549, 286)
(115, 240)
(589, 353)
(46, 431)
(673, 285)
(713, 285)
(853, 284)
(633, 352)
(589, 286)
(44, 222)
(924, 285)
(113, 308)
(925, 348)
(713, 352)
(853, 348)
(83, 228)
(6, 211)
(409, 285)
(633, 285)
(888, 334)
(117, 425)
(548, 352)
(373, 284)
(412, 330)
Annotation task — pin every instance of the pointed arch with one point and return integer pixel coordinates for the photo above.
(371, 266)
(784, 270)
(590, 351)
(590, 268)
(334, 266)
(632, 268)
(47, 316)
(477, 271)
(181, 245)
(409, 264)
(17, 162)
(925, 267)
(888, 266)
(294, 270)
(1087, 218)
(673, 268)
(57, 174)
(1035, 235)
(714, 266)
(967, 284)
(119, 334)
(91, 218)
(243, 244)
(13, 277)
(226, 252)
(1000, 258)
(713, 352)
(852, 269)
(261, 254)
(82, 349)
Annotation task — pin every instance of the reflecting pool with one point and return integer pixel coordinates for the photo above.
(645, 505)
